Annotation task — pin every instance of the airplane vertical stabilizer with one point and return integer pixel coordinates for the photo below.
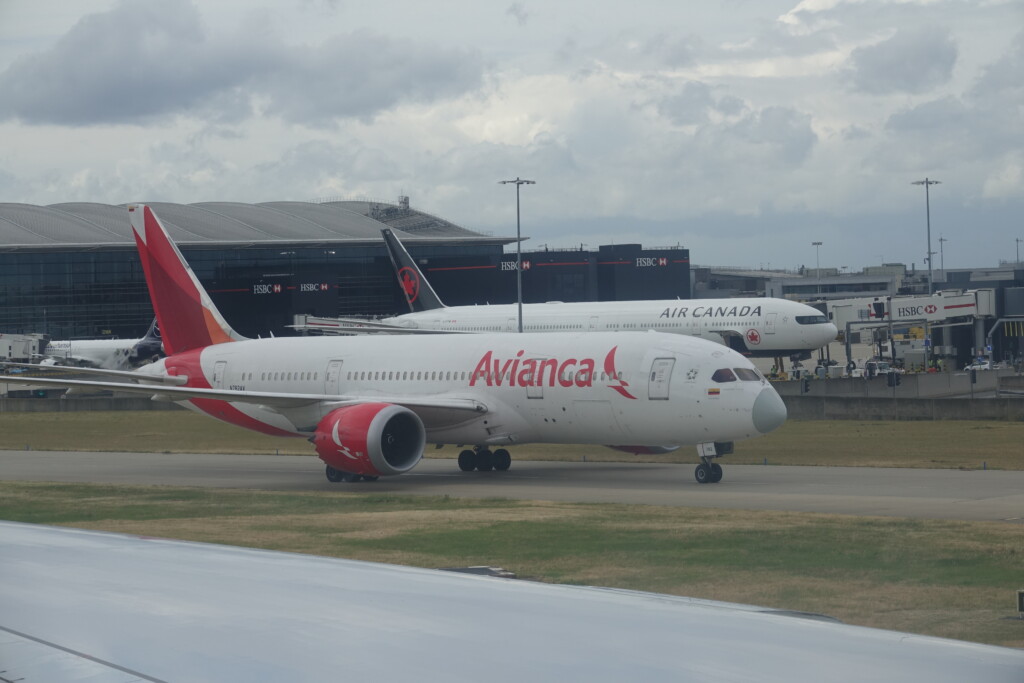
(185, 313)
(418, 293)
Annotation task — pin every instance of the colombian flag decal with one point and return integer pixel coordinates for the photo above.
(714, 391)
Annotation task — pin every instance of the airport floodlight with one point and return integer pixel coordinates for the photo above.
(817, 264)
(928, 222)
(519, 247)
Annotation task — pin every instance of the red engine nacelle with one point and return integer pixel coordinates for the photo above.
(370, 439)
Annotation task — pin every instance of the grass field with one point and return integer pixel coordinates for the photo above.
(950, 444)
(952, 579)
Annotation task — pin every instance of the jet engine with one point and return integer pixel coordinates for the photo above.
(370, 439)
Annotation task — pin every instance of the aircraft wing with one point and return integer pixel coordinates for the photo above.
(279, 400)
(86, 605)
(95, 372)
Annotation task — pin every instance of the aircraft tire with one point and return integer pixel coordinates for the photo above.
(467, 461)
(502, 460)
(333, 475)
(702, 474)
(716, 473)
(484, 460)
(351, 476)
(370, 477)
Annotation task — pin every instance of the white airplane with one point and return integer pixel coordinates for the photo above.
(761, 327)
(108, 354)
(79, 605)
(370, 405)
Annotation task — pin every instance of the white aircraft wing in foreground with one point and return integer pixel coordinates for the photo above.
(84, 605)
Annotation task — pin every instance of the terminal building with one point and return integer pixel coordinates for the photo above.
(71, 270)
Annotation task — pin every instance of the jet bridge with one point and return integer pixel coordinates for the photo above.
(939, 314)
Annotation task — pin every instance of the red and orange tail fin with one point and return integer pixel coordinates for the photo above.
(185, 313)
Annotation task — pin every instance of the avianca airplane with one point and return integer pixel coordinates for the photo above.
(763, 328)
(370, 405)
(109, 354)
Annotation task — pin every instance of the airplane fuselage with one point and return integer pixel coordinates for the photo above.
(109, 354)
(760, 327)
(596, 388)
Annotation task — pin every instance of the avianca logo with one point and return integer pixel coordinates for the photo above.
(539, 372)
(410, 283)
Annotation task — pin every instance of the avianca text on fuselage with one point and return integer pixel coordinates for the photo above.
(711, 312)
(539, 372)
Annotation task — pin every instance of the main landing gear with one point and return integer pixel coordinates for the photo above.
(335, 475)
(708, 472)
(482, 459)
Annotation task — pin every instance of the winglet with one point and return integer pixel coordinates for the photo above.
(418, 293)
(185, 313)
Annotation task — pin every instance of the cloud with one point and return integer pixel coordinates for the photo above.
(690, 106)
(361, 74)
(147, 60)
(1001, 81)
(518, 11)
(785, 131)
(908, 62)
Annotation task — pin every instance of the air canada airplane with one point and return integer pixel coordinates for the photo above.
(108, 354)
(761, 327)
(78, 605)
(370, 405)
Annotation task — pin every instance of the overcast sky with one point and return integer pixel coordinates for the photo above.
(743, 130)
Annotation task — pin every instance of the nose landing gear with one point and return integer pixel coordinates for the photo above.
(708, 472)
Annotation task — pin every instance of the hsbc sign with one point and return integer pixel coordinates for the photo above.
(933, 308)
(648, 262)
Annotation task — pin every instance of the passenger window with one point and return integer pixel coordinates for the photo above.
(723, 375)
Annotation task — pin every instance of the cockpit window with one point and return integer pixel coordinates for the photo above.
(747, 375)
(723, 375)
(811, 319)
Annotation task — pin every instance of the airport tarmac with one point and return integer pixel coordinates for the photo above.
(926, 494)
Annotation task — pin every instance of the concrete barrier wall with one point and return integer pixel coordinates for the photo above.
(926, 385)
(853, 408)
(70, 405)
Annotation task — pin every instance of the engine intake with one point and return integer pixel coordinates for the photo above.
(371, 439)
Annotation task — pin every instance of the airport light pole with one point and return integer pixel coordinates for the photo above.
(942, 257)
(1018, 241)
(817, 264)
(928, 219)
(519, 248)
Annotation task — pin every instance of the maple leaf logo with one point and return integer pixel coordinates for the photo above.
(410, 283)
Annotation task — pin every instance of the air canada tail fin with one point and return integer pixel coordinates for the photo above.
(418, 293)
(184, 311)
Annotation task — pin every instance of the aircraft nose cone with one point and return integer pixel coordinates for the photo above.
(769, 411)
(829, 333)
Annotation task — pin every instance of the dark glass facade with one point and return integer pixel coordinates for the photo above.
(99, 292)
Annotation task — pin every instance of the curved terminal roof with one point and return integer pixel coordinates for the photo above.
(356, 223)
